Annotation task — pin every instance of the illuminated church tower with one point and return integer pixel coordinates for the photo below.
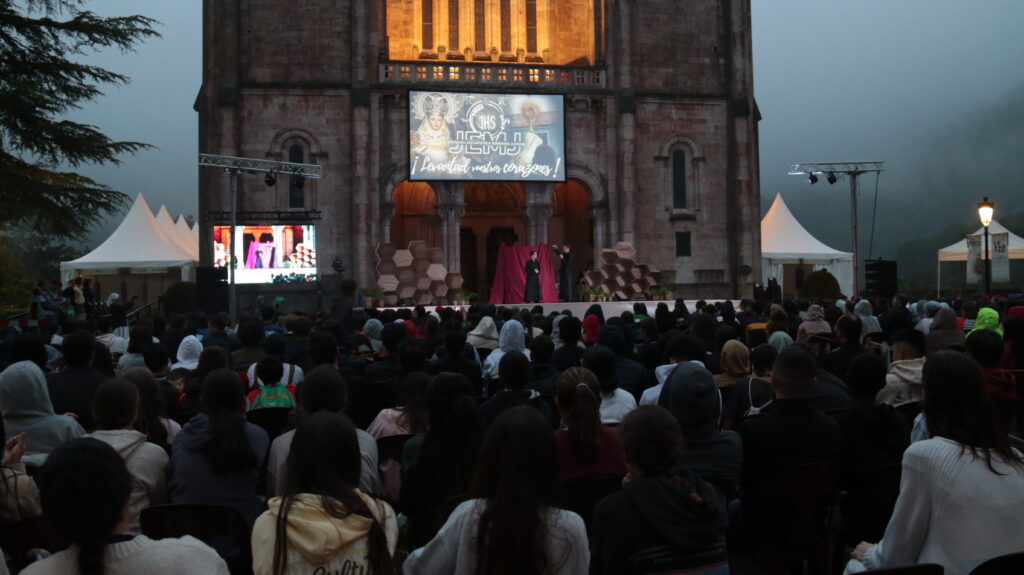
(660, 129)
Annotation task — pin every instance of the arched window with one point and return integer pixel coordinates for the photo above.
(296, 184)
(679, 180)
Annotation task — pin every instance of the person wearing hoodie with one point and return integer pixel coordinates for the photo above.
(868, 322)
(944, 332)
(328, 524)
(512, 338)
(116, 407)
(693, 398)
(813, 324)
(985, 347)
(665, 519)
(372, 329)
(217, 455)
(988, 318)
(903, 383)
(513, 376)
(26, 408)
(585, 448)
(484, 337)
(683, 348)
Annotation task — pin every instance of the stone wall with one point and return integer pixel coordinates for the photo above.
(678, 77)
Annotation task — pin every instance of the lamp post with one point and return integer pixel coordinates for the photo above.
(985, 210)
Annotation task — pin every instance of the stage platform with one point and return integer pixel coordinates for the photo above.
(610, 308)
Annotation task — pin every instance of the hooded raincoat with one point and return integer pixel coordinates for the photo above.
(26, 407)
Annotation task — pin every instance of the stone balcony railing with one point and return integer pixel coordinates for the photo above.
(451, 74)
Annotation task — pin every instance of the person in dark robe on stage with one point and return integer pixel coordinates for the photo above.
(564, 273)
(532, 292)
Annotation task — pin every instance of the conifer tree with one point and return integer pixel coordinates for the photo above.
(44, 48)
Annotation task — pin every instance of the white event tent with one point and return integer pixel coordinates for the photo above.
(785, 241)
(957, 252)
(139, 245)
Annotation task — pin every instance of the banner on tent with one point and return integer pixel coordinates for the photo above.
(975, 263)
(1000, 254)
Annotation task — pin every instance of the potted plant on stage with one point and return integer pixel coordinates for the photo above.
(463, 297)
(374, 297)
(657, 293)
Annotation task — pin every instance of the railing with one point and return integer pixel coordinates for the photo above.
(498, 75)
(146, 310)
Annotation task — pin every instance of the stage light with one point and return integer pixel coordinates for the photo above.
(270, 180)
(812, 178)
(832, 178)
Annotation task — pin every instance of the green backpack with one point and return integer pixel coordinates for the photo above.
(273, 396)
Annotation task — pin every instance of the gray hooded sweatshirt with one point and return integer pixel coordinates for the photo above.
(25, 404)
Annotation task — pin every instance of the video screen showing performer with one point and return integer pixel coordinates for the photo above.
(266, 251)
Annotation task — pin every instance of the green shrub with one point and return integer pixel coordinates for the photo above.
(182, 297)
(820, 285)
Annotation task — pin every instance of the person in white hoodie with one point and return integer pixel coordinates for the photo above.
(903, 383)
(680, 349)
(116, 407)
(330, 526)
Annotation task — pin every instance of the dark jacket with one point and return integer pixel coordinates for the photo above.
(790, 432)
(569, 355)
(691, 396)
(72, 390)
(545, 379)
(837, 361)
(652, 526)
(192, 480)
(507, 398)
(459, 364)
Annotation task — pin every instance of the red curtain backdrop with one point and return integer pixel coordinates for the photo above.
(510, 277)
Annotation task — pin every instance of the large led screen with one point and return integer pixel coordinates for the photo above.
(497, 137)
(268, 253)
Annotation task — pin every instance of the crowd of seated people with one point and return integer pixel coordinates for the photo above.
(463, 440)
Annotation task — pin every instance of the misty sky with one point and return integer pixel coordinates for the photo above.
(920, 84)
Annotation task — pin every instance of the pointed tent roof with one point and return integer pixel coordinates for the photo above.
(186, 233)
(138, 242)
(163, 217)
(782, 237)
(195, 232)
(957, 252)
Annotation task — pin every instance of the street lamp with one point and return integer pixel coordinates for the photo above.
(985, 210)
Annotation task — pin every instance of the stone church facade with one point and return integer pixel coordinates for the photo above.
(661, 129)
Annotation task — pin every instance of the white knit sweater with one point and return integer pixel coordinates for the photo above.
(140, 556)
(952, 510)
(453, 549)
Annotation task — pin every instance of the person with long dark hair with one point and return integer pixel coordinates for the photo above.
(962, 490)
(322, 522)
(510, 526)
(585, 448)
(85, 487)
(116, 409)
(438, 466)
(217, 456)
(151, 421)
(665, 520)
(409, 417)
